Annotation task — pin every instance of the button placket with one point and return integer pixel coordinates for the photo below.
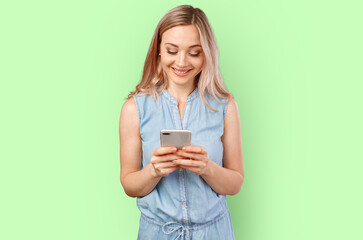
(182, 124)
(182, 173)
(183, 198)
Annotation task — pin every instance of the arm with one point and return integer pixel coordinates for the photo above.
(135, 182)
(227, 180)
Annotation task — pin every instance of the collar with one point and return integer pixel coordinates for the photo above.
(191, 96)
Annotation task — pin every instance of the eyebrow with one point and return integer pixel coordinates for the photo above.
(196, 45)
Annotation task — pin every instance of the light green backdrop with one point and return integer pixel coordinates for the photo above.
(294, 67)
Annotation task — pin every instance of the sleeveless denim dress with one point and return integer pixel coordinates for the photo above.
(183, 205)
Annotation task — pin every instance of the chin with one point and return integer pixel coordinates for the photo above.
(180, 80)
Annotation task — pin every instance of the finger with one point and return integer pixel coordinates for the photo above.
(165, 165)
(190, 155)
(164, 158)
(184, 162)
(164, 150)
(195, 149)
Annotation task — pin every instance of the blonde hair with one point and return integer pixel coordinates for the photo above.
(154, 79)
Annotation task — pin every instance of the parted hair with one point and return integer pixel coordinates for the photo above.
(209, 80)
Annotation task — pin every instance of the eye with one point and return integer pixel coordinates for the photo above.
(194, 55)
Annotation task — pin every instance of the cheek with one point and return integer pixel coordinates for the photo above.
(166, 62)
(198, 64)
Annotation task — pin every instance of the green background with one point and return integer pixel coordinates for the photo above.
(294, 67)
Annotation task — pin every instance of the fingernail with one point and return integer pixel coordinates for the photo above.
(184, 148)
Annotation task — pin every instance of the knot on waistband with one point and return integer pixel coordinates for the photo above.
(182, 229)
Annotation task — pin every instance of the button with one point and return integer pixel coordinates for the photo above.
(180, 169)
(184, 203)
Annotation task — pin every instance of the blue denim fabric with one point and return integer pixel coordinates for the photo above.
(182, 204)
(218, 229)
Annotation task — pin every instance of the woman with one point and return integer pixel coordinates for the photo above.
(182, 193)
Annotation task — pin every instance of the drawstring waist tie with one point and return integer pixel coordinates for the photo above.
(184, 230)
(175, 227)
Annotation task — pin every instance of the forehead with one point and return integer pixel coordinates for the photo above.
(183, 36)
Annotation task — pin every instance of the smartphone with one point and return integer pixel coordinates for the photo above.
(175, 137)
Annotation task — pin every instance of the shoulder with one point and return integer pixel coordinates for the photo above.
(216, 102)
(232, 108)
(136, 103)
(144, 100)
(129, 112)
(231, 103)
(232, 124)
(129, 106)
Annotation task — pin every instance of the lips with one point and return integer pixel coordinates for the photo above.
(182, 71)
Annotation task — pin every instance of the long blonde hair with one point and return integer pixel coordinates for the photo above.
(154, 79)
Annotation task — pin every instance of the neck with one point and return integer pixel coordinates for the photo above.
(181, 92)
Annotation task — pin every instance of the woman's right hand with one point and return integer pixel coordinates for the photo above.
(161, 161)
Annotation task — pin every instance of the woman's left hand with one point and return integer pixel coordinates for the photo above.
(195, 159)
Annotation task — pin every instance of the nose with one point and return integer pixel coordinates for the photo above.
(182, 60)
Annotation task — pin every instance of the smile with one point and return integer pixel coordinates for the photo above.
(181, 73)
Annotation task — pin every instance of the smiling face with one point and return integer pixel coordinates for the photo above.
(182, 56)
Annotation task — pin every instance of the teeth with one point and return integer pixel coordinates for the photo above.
(180, 71)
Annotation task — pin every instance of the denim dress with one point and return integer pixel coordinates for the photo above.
(183, 205)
